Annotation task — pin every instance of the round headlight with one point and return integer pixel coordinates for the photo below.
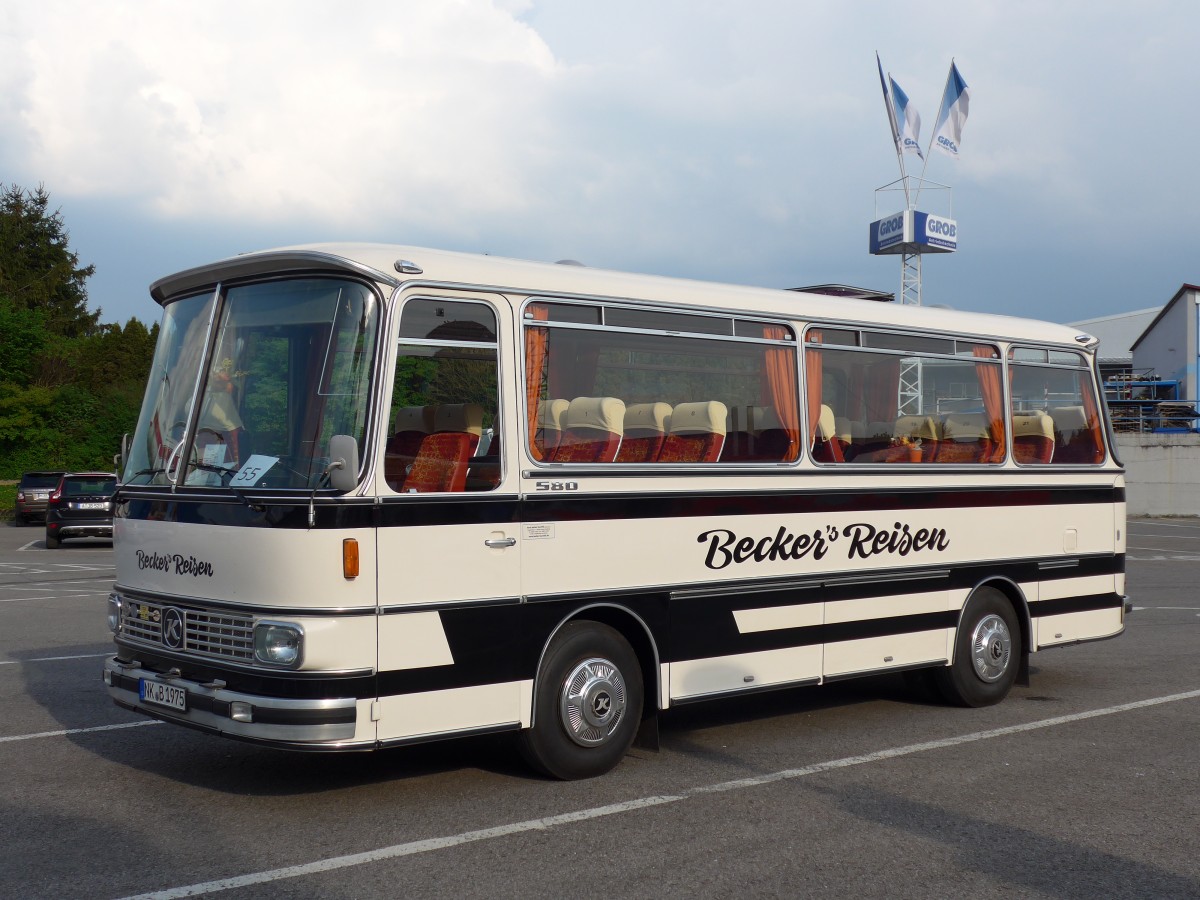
(114, 613)
(277, 644)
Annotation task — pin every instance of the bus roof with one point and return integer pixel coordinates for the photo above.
(394, 264)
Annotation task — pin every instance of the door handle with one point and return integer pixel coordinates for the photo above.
(500, 542)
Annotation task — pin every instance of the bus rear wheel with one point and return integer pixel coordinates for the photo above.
(587, 703)
(987, 652)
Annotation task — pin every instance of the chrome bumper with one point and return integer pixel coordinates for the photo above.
(328, 724)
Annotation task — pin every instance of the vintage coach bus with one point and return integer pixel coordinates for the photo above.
(379, 495)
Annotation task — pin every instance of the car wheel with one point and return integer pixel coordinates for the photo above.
(587, 703)
(52, 543)
(987, 652)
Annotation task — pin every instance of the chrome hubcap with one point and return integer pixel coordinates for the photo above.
(991, 648)
(592, 702)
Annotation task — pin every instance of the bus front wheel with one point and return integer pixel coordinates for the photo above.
(987, 652)
(587, 703)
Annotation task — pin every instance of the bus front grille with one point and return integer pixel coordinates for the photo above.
(205, 632)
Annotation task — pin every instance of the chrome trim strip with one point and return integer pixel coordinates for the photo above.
(888, 577)
(443, 605)
(224, 663)
(1043, 565)
(909, 667)
(741, 692)
(449, 735)
(136, 594)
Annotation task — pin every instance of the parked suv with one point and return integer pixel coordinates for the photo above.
(32, 492)
(80, 506)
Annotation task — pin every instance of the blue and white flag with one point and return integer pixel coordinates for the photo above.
(909, 121)
(956, 100)
(887, 102)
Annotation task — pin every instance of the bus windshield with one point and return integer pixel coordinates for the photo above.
(248, 386)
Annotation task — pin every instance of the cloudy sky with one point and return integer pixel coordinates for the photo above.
(739, 142)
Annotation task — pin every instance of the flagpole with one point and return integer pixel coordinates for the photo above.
(933, 131)
(891, 112)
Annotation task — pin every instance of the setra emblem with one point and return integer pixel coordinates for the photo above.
(172, 628)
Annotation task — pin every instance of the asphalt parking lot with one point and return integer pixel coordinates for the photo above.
(1084, 784)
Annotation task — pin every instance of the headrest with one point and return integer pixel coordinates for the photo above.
(1033, 425)
(460, 417)
(702, 417)
(843, 429)
(550, 413)
(923, 427)
(965, 427)
(826, 424)
(648, 417)
(414, 418)
(596, 413)
(1070, 418)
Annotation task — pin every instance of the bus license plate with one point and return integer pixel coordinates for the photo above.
(159, 694)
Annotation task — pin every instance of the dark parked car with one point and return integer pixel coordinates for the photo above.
(81, 506)
(32, 492)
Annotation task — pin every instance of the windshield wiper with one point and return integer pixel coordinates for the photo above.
(152, 471)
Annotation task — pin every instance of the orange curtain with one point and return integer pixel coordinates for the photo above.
(572, 370)
(992, 388)
(536, 342)
(812, 377)
(1092, 411)
(883, 389)
(780, 364)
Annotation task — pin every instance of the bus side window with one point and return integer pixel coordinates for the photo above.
(443, 428)
(883, 398)
(662, 387)
(1056, 418)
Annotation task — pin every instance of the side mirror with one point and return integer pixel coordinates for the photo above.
(121, 458)
(343, 462)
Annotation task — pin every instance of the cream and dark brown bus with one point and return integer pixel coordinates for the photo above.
(380, 495)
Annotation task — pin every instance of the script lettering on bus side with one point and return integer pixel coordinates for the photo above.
(866, 540)
(862, 540)
(725, 547)
(177, 562)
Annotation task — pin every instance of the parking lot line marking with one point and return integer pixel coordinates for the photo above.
(67, 731)
(467, 837)
(16, 662)
(1160, 549)
(50, 584)
(71, 595)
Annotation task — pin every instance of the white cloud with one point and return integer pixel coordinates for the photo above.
(735, 141)
(268, 110)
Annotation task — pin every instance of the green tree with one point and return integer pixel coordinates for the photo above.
(22, 342)
(69, 386)
(38, 269)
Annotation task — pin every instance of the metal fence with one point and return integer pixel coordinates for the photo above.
(1139, 417)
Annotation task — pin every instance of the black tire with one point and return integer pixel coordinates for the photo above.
(52, 543)
(19, 520)
(587, 703)
(987, 652)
